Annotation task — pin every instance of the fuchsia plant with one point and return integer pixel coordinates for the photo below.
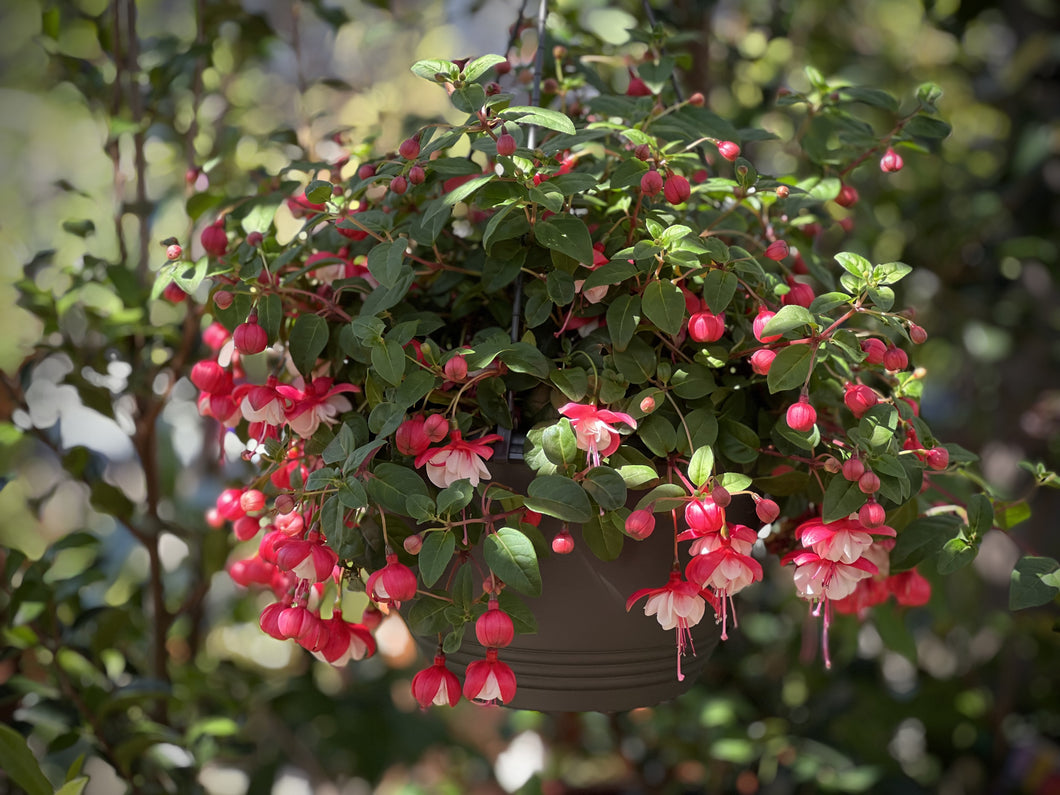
(614, 283)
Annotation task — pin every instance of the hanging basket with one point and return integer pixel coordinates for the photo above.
(589, 654)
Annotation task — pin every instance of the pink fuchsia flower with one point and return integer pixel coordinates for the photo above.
(411, 438)
(726, 569)
(640, 524)
(910, 588)
(594, 429)
(393, 584)
(318, 402)
(843, 541)
(262, 402)
(345, 641)
(489, 681)
(458, 460)
(436, 684)
(677, 605)
(704, 516)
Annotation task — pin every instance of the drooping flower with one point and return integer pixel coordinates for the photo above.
(594, 429)
(309, 559)
(345, 641)
(436, 684)
(393, 584)
(726, 568)
(676, 605)
(489, 681)
(459, 459)
(844, 540)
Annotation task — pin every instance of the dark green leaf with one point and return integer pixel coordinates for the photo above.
(921, 538)
(554, 495)
(388, 361)
(623, 316)
(603, 538)
(606, 486)
(434, 557)
(1026, 588)
(19, 763)
(309, 337)
(841, 498)
(318, 191)
(955, 554)
(567, 234)
(718, 289)
(664, 305)
(511, 556)
(427, 616)
(455, 497)
(573, 382)
(540, 117)
(790, 368)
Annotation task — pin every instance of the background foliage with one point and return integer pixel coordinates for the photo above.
(128, 654)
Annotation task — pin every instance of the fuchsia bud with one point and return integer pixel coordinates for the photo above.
(706, 326)
(214, 240)
(721, 496)
(891, 161)
(252, 500)
(917, 334)
(223, 299)
(853, 468)
(563, 542)
(799, 294)
(254, 239)
(417, 175)
(211, 377)
(848, 196)
(651, 183)
(229, 504)
(399, 184)
(411, 437)
(729, 150)
(647, 405)
(173, 251)
(436, 684)
(895, 359)
(245, 528)
(762, 360)
(456, 369)
(874, 349)
(640, 524)
(767, 510)
(872, 514)
(410, 148)
(366, 171)
(494, 628)
(676, 190)
(783, 191)
(413, 544)
(436, 426)
(249, 337)
(801, 416)
(859, 399)
(938, 458)
(777, 250)
(506, 145)
(393, 584)
(869, 482)
(637, 87)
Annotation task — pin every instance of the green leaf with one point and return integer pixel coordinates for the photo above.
(875, 97)
(693, 381)
(603, 538)
(74, 786)
(734, 481)
(386, 262)
(318, 191)
(454, 640)
(455, 497)
(980, 515)
(701, 465)
(790, 368)
(468, 98)
(540, 117)
(388, 361)
(789, 317)
(826, 302)
(522, 357)
(385, 418)
(854, 264)
(955, 554)
(554, 495)
(309, 337)
(521, 615)
(391, 486)
(664, 305)
(573, 382)
(921, 538)
(567, 234)
(890, 272)
(841, 498)
(560, 286)
(511, 556)
(718, 289)
(606, 486)
(427, 616)
(658, 435)
(352, 495)
(1026, 587)
(623, 316)
(922, 126)
(434, 557)
(560, 444)
(478, 67)
(19, 763)
(431, 68)
(664, 497)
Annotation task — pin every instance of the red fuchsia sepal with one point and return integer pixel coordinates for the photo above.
(460, 459)
(494, 628)
(436, 684)
(677, 605)
(310, 560)
(489, 681)
(320, 401)
(345, 641)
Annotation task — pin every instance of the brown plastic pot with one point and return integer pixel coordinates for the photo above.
(589, 654)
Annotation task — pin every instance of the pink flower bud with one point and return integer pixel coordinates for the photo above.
(874, 349)
(891, 161)
(249, 337)
(872, 514)
(214, 240)
(456, 369)
(223, 299)
(563, 542)
(938, 458)
(411, 438)
(640, 524)
(783, 191)
(366, 171)
(210, 377)
(173, 251)
(697, 100)
(228, 504)
(494, 628)
(853, 468)
(767, 510)
(869, 483)
(676, 190)
(651, 183)
(637, 87)
(799, 294)
(254, 239)
(761, 320)
(284, 504)
(647, 405)
(410, 148)
(245, 528)
(801, 416)
(436, 427)
(859, 399)
(895, 359)
(642, 152)
(399, 184)
(917, 334)
(413, 543)
(762, 360)
(848, 196)
(417, 175)
(706, 326)
(777, 250)
(252, 500)
(729, 150)
(173, 293)
(531, 517)
(506, 145)
(721, 496)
